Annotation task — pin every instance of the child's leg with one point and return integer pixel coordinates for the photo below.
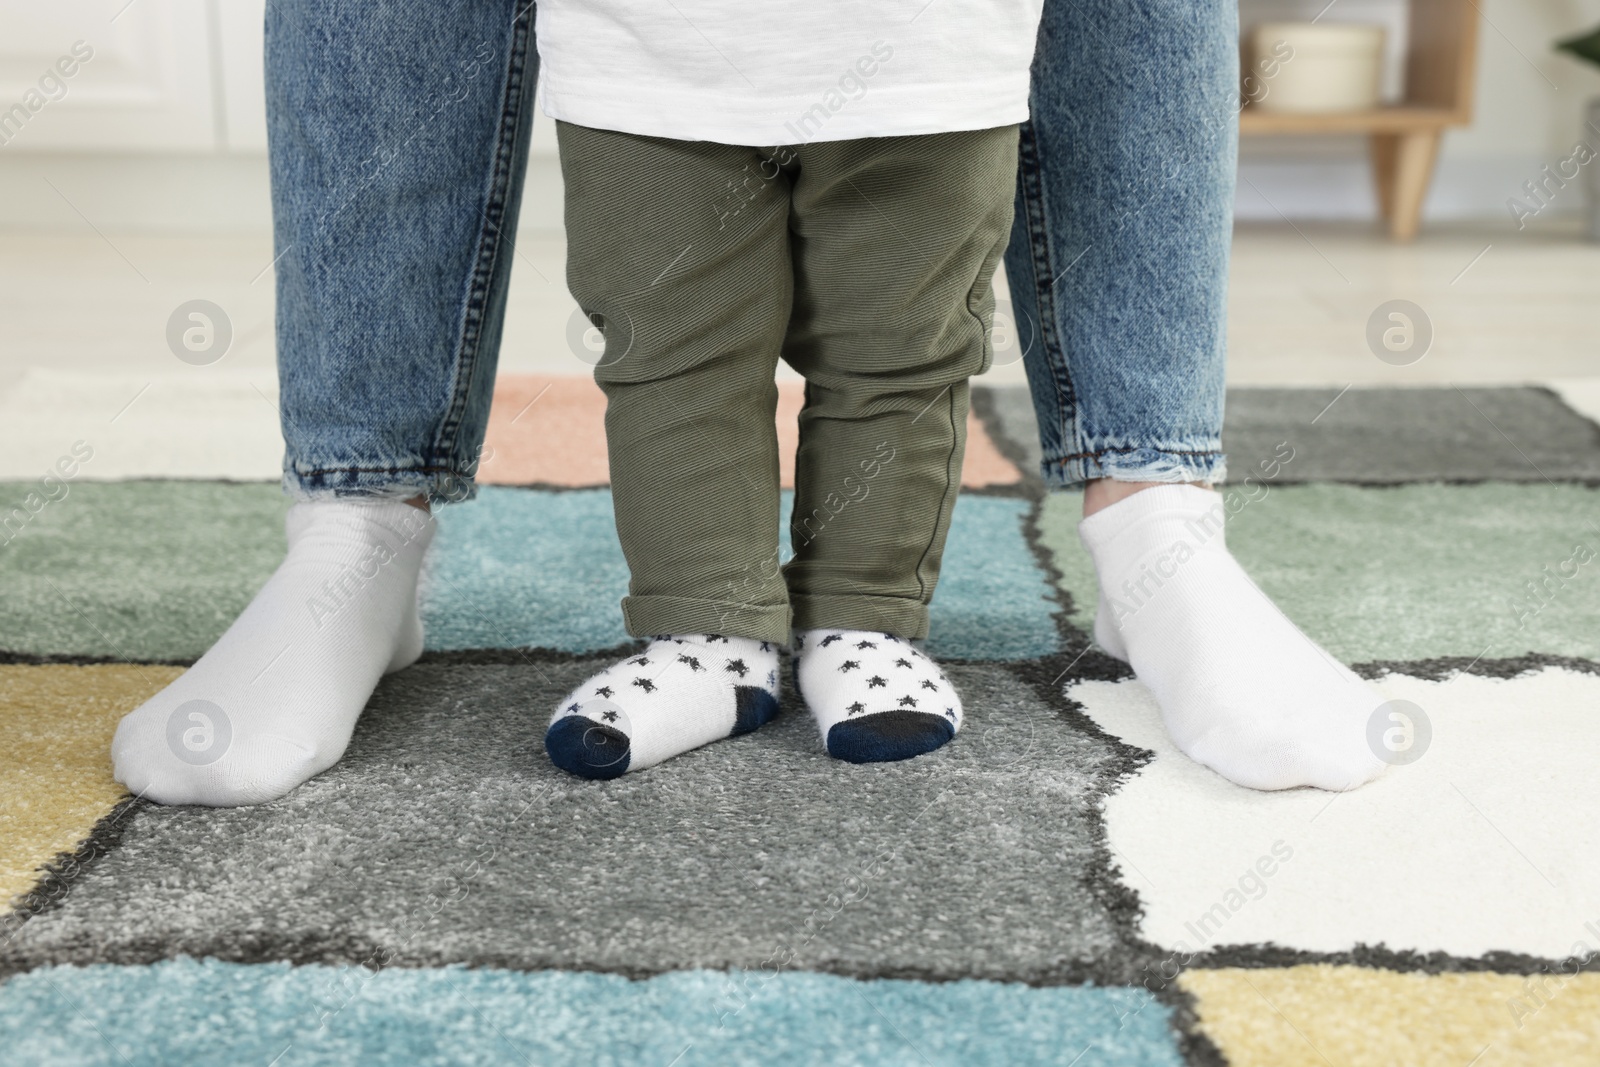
(896, 244)
(682, 250)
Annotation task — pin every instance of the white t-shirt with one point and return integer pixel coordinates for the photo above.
(783, 72)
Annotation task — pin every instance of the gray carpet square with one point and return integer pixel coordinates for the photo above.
(1380, 436)
(445, 836)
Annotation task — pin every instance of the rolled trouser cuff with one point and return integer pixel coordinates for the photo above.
(900, 616)
(646, 616)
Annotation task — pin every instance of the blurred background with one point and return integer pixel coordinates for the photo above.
(139, 183)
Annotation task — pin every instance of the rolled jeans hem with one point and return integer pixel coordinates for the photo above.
(1134, 465)
(900, 616)
(646, 616)
(438, 485)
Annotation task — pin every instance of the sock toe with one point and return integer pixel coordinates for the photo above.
(1241, 689)
(255, 770)
(888, 736)
(875, 697)
(588, 749)
(275, 699)
(754, 707)
(1258, 756)
(681, 692)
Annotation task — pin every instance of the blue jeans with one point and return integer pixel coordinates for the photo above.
(398, 139)
(1118, 261)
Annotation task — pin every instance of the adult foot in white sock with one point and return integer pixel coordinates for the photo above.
(681, 692)
(874, 697)
(1241, 689)
(275, 699)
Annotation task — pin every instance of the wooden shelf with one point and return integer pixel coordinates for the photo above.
(1441, 60)
(1398, 119)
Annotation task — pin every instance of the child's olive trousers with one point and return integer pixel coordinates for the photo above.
(866, 266)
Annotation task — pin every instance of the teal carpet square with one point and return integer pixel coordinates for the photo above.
(188, 1012)
(529, 568)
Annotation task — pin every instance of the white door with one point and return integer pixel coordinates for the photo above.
(130, 75)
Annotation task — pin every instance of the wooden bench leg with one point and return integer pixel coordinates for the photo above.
(1402, 165)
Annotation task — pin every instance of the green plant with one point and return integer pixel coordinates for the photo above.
(1584, 46)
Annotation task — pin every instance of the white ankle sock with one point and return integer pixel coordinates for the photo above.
(275, 699)
(1241, 689)
(874, 697)
(681, 692)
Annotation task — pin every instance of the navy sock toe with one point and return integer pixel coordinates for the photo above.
(682, 691)
(589, 749)
(875, 697)
(754, 707)
(888, 736)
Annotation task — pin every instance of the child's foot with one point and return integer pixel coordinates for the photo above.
(275, 699)
(875, 698)
(681, 692)
(1241, 689)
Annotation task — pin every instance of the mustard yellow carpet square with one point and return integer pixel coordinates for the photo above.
(55, 779)
(1316, 1015)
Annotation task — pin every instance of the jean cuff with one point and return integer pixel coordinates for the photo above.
(1135, 464)
(438, 485)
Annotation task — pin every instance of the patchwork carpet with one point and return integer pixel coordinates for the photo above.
(1059, 886)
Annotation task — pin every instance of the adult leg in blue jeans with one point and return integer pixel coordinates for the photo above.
(398, 143)
(1119, 260)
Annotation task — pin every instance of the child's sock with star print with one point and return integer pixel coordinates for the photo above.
(681, 692)
(874, 697)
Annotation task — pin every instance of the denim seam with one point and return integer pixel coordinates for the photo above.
(379, 470)
(491, 238)
(1096, 454)
(1036, 215)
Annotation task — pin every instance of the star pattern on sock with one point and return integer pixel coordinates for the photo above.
(682, 692)
(866, 693)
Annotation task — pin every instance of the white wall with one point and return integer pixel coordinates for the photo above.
(162, 127)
